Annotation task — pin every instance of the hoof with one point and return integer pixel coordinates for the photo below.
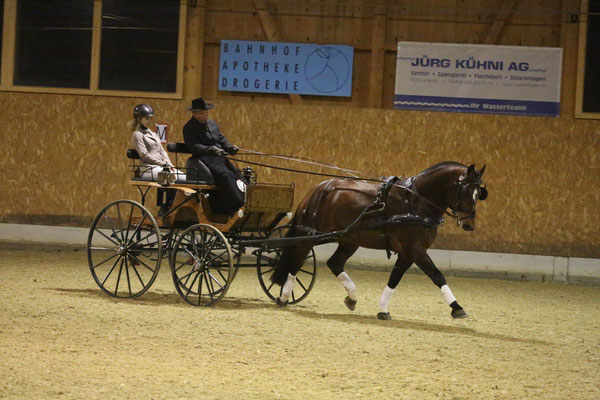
(458, 314)
(351, 304)
(384, 316)
(281, 303)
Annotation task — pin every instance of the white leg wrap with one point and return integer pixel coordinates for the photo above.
(384, 300)
(348, 284)
(288, 286)
(448, 294)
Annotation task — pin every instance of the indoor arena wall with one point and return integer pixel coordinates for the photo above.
(65, 159)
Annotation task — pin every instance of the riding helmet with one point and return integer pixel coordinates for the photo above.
(143, 110)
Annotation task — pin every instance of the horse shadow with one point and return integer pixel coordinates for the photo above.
(157, 298)
(413, 325)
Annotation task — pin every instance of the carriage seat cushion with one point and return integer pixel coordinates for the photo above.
(132, 154)
(178, 148)
(196, 171)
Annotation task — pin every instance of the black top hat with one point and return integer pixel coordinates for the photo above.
(200, 105)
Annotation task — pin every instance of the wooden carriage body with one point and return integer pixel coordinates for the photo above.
(266, 204)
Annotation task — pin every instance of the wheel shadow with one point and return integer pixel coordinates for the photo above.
(153, 298)
(413, 325)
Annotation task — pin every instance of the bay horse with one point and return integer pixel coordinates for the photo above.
(406, 223)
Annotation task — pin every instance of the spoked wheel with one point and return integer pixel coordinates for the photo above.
(267, 261)
(124, 249)
(202, 265)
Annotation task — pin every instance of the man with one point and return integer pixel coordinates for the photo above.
(206, 143)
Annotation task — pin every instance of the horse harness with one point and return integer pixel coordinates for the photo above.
(408, 218)
(375, 212)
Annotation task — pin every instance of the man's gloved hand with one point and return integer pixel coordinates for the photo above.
(216, 151)
(232, 150)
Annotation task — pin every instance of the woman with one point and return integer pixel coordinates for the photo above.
(153, 157)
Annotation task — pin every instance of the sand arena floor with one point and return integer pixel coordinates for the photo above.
(61, 337)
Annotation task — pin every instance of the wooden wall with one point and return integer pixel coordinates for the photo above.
(64, 155)
(65, 158)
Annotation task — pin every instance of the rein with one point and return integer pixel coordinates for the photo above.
(354, 178)
(304, 160)
(454, 214)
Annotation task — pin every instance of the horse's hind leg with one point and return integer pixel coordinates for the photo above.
(401, 266)
(427, 266)
(294, 257)
(336, 264)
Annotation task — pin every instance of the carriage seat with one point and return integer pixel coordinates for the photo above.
(132, 154)
(196, 170)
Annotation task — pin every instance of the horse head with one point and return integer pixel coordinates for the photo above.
(463, 195)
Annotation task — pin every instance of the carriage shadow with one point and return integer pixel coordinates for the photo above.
(154, 298)
(413, 325)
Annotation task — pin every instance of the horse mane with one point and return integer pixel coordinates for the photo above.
(444, 164)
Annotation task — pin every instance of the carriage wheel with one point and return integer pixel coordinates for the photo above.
(124, 249)
(266, 262)
(202, 265)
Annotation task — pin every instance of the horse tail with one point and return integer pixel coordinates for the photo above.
(282, 269)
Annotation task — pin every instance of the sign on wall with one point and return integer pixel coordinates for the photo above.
(161, 130)
(478, 78)
(291, 68)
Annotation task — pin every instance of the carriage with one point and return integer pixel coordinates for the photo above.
(127, 243)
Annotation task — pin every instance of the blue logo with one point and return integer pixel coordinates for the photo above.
(326, 69)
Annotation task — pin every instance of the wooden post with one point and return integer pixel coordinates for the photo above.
(268, 25)
(194, 50)
(581, 47)
(568, 42)
(378, 33)
(494, 34)
(96, 45)
(8, 42)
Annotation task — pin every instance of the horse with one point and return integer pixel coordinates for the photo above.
(400, 216)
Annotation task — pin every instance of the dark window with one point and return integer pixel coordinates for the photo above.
(591, 85)
(53, 43)
(139, 45)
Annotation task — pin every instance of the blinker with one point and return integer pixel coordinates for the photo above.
(483, 193)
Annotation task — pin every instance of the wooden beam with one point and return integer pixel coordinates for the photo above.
(581, 48)
(569, 43)
(268, 25)
(181, 48)
(194, 50)
(494, 34)
(378, 32)
(8, 42)
(96, 45)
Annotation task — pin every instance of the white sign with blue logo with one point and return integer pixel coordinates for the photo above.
(478, 78)
(292, 68)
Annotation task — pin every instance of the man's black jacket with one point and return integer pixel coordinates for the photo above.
(199, 137)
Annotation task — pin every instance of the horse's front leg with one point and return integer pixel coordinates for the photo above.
(426, 264)
(401, 266)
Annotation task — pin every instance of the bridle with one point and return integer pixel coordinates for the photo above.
(457, 189)
(460, 188)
